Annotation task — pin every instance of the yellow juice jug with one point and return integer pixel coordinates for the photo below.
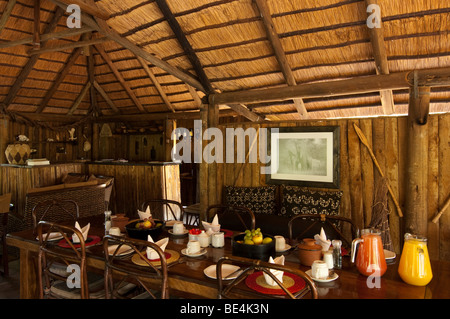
(414, 267)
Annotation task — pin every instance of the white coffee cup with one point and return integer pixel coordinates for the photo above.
(218, 240)
(193, 247)
(280, 243)
(115, 231)
(178, 228)
(319, 269)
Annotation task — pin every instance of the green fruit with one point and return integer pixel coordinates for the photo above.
(249, 242)
(267, 240)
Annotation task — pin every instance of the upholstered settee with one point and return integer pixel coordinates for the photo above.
(90, 193)
(274, 206)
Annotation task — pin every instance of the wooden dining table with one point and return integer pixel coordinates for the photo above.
(188, 280)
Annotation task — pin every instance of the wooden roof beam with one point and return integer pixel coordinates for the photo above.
(106, 97)
(357, 85)
(102, 27)
(31, 62)
(185, 44)
(37, 25)
(90, 9)
(79, 98)
(381, 61)
(60, 77)
(156, 84)
(263, 9)
(6, 13)
(71, 45)
(120, 78)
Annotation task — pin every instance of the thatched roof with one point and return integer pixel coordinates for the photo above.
(217, 46)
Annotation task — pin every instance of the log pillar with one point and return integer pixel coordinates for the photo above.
(416, 208)
(3, 138)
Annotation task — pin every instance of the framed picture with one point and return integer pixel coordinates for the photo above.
(304, 156)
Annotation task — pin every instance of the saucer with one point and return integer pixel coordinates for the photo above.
(389, 254)
(201, 252)
(331, 277)
(286, 248)
(185, 232)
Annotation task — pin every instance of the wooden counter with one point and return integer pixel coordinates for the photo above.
(135, 183)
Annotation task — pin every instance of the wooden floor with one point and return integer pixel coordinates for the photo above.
(9, 287)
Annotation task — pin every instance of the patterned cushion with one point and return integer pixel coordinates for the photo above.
(298, 200)
(260, 200)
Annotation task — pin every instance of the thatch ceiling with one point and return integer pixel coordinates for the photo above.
(222, 46)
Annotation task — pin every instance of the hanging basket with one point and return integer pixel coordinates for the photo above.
(17, 153)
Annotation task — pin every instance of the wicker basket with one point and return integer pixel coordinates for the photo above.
(17, 153)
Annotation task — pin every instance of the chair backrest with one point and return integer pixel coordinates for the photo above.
(55, 210)
(307, 225)
(114, 246)
(50, 253)
(5, 200)
(164, 209)
(227, 216)
(254, 267)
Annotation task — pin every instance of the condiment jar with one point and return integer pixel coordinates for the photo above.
(204, 239)
(309, 251)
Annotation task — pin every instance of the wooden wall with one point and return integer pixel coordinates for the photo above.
(359, 177)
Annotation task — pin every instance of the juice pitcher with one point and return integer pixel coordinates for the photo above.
(370, 255)
(414, 267)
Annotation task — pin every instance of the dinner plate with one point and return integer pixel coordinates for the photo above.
(52, 236)
(331, 277)
(227, 270)
(201, 252)
(389, 254)
(123, 250)
(286, 248)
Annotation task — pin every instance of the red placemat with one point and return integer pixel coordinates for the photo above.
(257, 282)
(166, 254)
(91, 240)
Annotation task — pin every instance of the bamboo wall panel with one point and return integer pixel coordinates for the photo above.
(359, 177)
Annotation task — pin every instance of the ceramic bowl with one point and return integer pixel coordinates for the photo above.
(142, 233)
(261, 252)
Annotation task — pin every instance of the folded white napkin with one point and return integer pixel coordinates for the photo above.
(151, 253)
(214, 226)
(215, 220)
(84, 231)
(277, 273)
(145, 215)
(322, 240)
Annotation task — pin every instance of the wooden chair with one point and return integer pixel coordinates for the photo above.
(227, 216)
(56, 285)
(5, 200)
(131, 274)
(248, 267)
(55, 210)
(164, 209)
(310, 224)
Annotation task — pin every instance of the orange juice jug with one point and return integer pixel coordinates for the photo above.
(370, 260)
(414, 267)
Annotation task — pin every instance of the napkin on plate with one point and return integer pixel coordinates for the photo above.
(277, 273)
(151, 253)
(84, 231)
(214, 225)
(145, 215)
(322, 240)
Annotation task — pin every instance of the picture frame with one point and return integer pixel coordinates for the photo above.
(305, 156)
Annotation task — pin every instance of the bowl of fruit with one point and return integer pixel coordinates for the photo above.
(253, 244)
(140, 229)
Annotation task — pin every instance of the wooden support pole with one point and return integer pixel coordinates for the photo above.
(416, 208)
(6, 13)
(37, 25)
(4, 124)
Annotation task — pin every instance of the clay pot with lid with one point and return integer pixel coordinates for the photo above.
(119, 220)
(308, 251)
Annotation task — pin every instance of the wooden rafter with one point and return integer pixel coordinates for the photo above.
(381, 61)
(106, 97)
(6, 13)
(71, 45)
(60, 77)
(156, 84)
(101, 26)
(91, 78)
(279, 52)
(79, 98)
(47, 36)
(90, 9)
(31, 62)
(185, 44)
(119, 77)
(37, 25)
(360, 85)
(244, 111)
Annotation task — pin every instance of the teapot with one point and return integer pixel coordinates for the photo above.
(370, 260)
(414, 267)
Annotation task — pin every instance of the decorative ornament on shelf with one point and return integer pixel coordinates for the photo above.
(71, 133)
(18, 153)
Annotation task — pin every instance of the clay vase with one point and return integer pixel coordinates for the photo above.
(17, 153)
(119, 220)
(308, 251)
